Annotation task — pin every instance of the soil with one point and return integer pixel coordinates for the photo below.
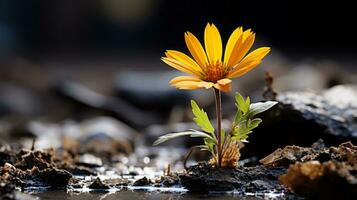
(203, 178)
(289, 172)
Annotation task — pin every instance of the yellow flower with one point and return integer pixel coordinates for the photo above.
(207, 69)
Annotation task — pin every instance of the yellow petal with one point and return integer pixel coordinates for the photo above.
(231, 43)
(181, 67)
(196, 49)
(183, 78)
(243, 70)
(255, 55)
(204, 84)
(224, 88)
(187, 85)
(213, 44)
(241, 48)
(249, 62)
(224, 81)
(184, 59)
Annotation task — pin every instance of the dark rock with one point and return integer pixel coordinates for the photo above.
(80, 170)
(40, 159)
(56, 178)
(203, 178)
(168, 181)
(301, 118)
(83, 97)
(161, 97)
(328, 180)
(142, 182)
(98, 185)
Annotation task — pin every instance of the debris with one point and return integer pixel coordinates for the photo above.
(142, 182)
(98, 185)
(345, 152)
(328, 180)
(269, 93)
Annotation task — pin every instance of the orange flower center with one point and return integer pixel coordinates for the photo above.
(215, 72)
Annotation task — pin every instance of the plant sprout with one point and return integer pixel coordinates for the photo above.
(208, 70)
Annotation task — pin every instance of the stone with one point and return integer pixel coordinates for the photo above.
(98, 185)
(328, 180)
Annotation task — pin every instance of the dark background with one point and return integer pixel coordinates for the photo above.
(41, 29)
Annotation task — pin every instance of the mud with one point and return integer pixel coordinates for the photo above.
(204, 178)
(328, 180)
(333, 177)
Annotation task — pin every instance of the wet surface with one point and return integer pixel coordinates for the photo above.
(100, 147)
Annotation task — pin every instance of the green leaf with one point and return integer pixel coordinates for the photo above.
(192, 133)
(254, 123)
(209, 144)
(201, 118)
(256, 108)
(242, 104)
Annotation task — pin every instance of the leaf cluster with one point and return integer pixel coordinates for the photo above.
(243, 124)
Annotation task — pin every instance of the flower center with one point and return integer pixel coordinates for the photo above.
(214, 72)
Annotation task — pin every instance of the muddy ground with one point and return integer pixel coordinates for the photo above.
(305, 148)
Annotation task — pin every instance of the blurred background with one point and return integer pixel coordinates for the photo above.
(66, 60)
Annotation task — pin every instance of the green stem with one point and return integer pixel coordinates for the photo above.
(217, 94)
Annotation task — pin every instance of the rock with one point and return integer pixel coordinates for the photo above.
(84, 97)
(301, 118)
(345, 152)
(37, 167)
(154, 92)
(79, 170)
(168, 181)
(40, 159)
(142, 182)
(291, 154)
(56, 178)
(98, 185)
(328, 180)
(203, 178)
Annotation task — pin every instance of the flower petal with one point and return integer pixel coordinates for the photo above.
(255, 55)
(183, 78)
(242, 47)
(231, 43)
(196, 49)
(180, 66)
(224, 81)
(249, 62)
(184, 59)
(224, 88)
(213, 44)
(190, 83)
(205, 84)
(187, 85)
(243, 70)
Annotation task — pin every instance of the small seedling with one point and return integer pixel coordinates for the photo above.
(208, 70)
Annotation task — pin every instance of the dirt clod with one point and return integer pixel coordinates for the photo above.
(142, 182)
(203, 178)
(328, 180)
(98, 185)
